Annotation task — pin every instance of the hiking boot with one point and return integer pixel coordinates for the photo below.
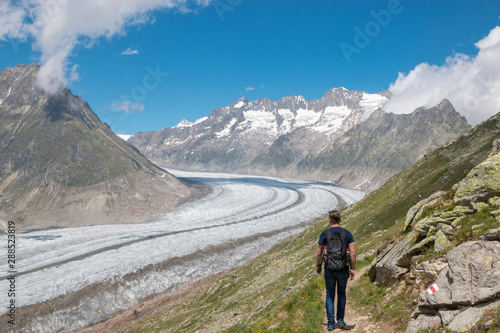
(331, 327)
(341, 324)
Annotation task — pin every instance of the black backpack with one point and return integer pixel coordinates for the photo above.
(336, 250)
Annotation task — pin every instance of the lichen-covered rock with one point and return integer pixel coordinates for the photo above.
(463, 209)
(446, 228)
(481, 184)
(425, 225)
(495, 201)
(441, 241)
(415, 212)
(479, 206)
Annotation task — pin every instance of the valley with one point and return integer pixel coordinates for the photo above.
(64, 274)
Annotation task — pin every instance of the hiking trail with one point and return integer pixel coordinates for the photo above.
(356, 320)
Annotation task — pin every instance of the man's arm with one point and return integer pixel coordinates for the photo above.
(319, 255)
(352, 252)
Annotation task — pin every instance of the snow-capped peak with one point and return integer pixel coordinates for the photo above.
(184, 123)
(187, 123)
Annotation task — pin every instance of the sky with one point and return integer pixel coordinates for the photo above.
(145, 65)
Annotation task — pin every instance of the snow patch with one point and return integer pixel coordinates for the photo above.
(306, 117)
(187, 123)
(259, 121)
(333, 118)
(370, 103)
(227, 130)
(239, 104)
(123, 136)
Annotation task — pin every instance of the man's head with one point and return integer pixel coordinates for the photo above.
(334, 217)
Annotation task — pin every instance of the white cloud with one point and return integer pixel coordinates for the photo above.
(127, 107)
(58, 27)
(11, 21)
(130, 51)
(471, 83)
(249, 88)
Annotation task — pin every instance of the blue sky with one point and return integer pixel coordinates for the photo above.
(185, 63)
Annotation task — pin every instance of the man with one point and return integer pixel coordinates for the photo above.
(336, 278)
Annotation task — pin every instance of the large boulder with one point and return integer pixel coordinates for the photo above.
(481, 184)
(471, 279)
(395, 261)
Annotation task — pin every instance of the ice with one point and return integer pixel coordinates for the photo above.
(55, 262)
(306, 117)
(239, 104)
(370, 103)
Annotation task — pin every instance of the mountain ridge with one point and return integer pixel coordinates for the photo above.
(60, 165)
(295, 138)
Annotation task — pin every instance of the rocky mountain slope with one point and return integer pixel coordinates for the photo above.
(452, 192)
(343, 137)
(60, 165)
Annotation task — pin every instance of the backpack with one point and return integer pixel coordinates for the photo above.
(336, 250)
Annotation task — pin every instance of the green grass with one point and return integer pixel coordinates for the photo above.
(302, 312)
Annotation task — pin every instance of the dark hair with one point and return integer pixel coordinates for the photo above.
(334, 216)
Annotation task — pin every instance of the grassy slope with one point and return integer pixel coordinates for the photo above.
(280, 289)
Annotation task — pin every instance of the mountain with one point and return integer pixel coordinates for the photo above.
(61, 166)
(280, 291)
(341, 137)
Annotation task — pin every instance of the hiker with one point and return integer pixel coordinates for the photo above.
(338, 267)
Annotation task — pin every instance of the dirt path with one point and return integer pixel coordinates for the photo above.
(356, 320)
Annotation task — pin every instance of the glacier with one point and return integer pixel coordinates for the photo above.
(241, 217)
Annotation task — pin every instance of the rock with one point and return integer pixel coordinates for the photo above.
(492, 235)
(393, 263)
(495, 201)
(416, 211)
(432, 268)
(479, 206)
(477, 227)
(471, 277)
(423, 311)
(455, 223)
(481, 184)
(432, 231)
(446, 229)
(423, 322)
(441, 242)
(463, 209)
(496, 147)
(465, 320)
(420, 247)
(447, 316)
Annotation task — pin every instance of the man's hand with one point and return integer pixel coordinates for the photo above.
(318, 269)
(351, 274)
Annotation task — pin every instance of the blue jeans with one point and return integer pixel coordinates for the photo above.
(335, 279)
